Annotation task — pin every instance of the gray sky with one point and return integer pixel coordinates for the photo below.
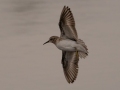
(25, 64)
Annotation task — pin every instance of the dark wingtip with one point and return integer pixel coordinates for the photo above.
(66, 7)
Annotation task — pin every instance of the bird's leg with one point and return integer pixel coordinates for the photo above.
(77, 54)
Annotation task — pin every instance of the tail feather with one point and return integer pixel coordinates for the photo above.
(83, 54)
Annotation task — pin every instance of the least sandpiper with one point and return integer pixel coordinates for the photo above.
(72, 47)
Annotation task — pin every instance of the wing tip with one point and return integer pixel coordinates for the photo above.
(65, 6)
(70, 77)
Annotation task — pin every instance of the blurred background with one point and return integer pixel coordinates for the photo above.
(25, 64)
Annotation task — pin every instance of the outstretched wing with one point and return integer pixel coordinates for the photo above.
(67, 24)
(70, 65)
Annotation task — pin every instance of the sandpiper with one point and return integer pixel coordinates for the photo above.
(72, 47)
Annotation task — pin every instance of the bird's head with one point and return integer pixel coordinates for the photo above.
(52, 39)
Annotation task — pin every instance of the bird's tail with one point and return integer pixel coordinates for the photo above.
(83, 54)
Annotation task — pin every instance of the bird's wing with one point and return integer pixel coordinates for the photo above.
(67, 24)
(70, 65)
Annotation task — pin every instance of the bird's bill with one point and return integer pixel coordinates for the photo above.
(46, 42)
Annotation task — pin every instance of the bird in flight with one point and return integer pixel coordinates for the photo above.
(72, 47)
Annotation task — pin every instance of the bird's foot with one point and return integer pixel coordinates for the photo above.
(77, 53)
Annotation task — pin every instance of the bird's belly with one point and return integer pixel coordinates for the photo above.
(66, 48)
(66, 45)
(69, 45)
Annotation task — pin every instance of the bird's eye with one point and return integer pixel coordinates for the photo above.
(51, 39)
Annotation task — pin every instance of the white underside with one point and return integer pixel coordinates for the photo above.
(69, 45)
